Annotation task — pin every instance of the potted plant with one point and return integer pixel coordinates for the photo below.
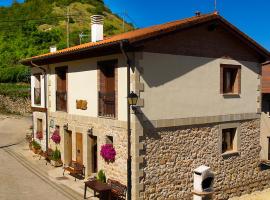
(56, 155)
(108, 152)
(101, 176)
(36, 147)
(56, 158)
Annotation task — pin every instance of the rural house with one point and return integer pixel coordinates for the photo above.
(195, 129)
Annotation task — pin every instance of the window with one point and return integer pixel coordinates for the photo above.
(39, 125)
(37, 90)
(109, 139)
(229, 141)
(61, 88)
(230, 79)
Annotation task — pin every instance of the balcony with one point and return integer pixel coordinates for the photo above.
(106, 104)
(37, 96)
(61, 101)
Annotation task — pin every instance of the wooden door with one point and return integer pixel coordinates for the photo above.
(61, 91)
(79, 148)
(269, 148)
(94, 154)
(68, 147)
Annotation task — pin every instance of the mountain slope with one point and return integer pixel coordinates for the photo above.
(30, 28)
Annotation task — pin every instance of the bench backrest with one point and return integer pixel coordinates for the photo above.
(118, 187)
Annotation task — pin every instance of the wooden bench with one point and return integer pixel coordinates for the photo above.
(75, 169)
(118, 190)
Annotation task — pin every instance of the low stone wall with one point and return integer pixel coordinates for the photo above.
(171, 155)
(17, 105)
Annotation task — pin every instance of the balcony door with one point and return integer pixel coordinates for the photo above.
(107, 88)
(61, 88)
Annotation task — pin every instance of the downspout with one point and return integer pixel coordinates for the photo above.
(129, 180)
(45, 100)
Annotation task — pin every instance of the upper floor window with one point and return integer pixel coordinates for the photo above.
(37, 89)
(230, 79)
(107, 88)
(61, 88)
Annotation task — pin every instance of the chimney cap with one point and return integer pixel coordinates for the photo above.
(97, 19)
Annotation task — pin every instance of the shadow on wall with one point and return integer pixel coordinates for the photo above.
(158, 71)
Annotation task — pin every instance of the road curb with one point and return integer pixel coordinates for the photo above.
(64, 190)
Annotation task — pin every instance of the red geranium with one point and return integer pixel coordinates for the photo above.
(39, 135)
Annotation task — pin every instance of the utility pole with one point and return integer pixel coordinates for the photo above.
(123, 20)
(67, 23)
(215, 5)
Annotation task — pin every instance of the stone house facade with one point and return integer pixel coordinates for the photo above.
(199, 86)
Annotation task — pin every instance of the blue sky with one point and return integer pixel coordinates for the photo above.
(250, 16)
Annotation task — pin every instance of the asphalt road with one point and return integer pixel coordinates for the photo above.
(16, 181)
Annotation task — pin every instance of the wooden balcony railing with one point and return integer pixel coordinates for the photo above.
(61, 101)
(106, 104)
(37, 96)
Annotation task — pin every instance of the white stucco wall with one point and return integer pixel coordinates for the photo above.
(82, 83)
(33, 80)
(184, 86)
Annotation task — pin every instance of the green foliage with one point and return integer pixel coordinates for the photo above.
(101, 176)
(36, 145)
(56, 155)
(30, 28)
(15, 90)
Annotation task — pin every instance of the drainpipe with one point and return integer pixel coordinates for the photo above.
(45, 100)
(129, 183)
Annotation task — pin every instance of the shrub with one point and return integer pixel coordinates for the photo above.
(108, 152)
(36, 145)
(56, 138)
(101, 176)
(39, 135)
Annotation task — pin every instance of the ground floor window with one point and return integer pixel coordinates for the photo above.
(39, 133)
(229, 136)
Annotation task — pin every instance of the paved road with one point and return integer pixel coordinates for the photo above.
(16, 181)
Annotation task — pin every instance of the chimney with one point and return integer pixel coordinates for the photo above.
(53, 49)
(97, 28)
(198, 13)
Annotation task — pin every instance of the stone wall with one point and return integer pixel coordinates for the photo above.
(17, 105)
(171, 155)
(101, 127)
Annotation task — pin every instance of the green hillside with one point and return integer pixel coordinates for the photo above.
(30, 28)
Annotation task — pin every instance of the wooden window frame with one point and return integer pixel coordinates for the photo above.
(37, 77)
(99, 64)
(56, 87)
(237, 84)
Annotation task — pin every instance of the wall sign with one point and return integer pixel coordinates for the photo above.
(81, 104)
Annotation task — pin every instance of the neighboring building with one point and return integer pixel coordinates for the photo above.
(198, 82)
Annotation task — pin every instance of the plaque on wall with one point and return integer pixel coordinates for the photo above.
(81, 104)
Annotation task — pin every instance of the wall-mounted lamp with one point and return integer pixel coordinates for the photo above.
(132, 100)
(65, 127)
(90, 132)
(51, 123)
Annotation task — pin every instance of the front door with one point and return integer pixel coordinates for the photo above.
(68, 147)
(269, 148)
(79, 148)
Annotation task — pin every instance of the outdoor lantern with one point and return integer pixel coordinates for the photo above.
(132, 99)
(90, 132)
(65, 127)
(52, 123)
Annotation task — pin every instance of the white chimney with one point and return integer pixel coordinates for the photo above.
(53, 49)
(97, 28)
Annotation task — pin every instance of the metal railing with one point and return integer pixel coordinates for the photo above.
(37, 96)
(61, 101)
(106, 104)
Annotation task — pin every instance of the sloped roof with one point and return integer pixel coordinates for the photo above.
(146, 33)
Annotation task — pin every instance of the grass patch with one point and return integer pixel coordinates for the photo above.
(15, 90)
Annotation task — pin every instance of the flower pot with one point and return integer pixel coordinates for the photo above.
(56, 163)
(36, 151)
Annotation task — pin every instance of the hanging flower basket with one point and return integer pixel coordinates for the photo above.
(108, 152)
(56, 138)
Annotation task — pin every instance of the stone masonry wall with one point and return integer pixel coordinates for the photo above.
(101, 127)
(171, 155)
(20, 106)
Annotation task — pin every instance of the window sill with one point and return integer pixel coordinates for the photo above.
(104, 117)
(230, 154)
(231, 95)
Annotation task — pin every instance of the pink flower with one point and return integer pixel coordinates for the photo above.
(56, 138)
(108, 152)
(39, 135)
